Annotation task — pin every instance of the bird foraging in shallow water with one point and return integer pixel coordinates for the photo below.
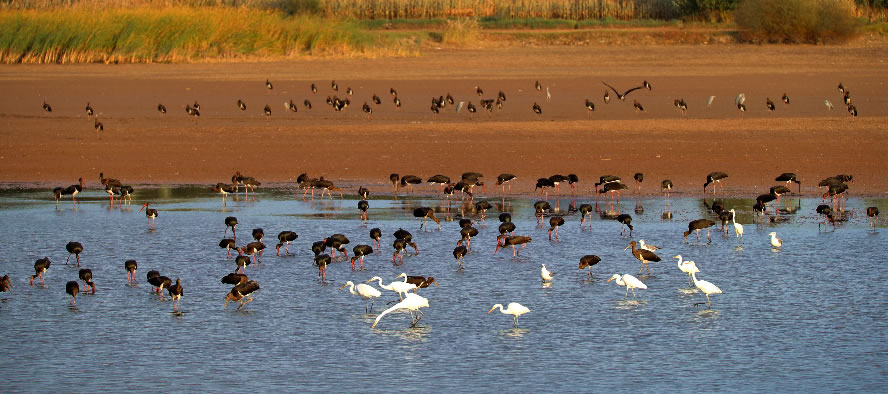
(706, 287)
(412, 303)
(775, 242)
(687, 267)
(629, 281)
(645, 256)
(515, 309)
(366, 292)
(586, 262)
(545, 274)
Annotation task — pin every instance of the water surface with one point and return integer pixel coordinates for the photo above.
(808, 317)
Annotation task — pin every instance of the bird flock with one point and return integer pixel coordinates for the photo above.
(407, 286)
(490, 104)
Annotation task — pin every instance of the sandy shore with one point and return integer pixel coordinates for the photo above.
(140, 146)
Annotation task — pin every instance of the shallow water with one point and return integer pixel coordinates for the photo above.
(808, 317)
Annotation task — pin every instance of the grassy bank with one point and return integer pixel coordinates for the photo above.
(180, 35)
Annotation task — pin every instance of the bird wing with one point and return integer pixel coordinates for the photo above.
(631, 90)
(740, 99)
(612, 88)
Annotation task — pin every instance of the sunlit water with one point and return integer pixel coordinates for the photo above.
(808, 317)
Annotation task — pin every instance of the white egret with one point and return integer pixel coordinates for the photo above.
(646, 246)
(687, 267)
(546, 274)
(515, 309)
(775, 242)
(365, 291)
(412, 303)
(706, 287)
(738, 228)
(397, 286)
(629, 281)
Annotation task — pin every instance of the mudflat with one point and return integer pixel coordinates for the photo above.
(141, 146)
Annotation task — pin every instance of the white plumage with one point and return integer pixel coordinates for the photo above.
(706, 287)
(399, 287)
(515, 309)
(647, 247)
(367, 292)
(738, 228)
(688, 267)
(629, 281)
(775, 242)
(546, 274)
(412, 303)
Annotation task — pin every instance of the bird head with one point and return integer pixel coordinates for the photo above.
(373, 278)
(494, 307)
(631, 244)
(616, 276)
(145, 205)
(349, 283)
(403, 275)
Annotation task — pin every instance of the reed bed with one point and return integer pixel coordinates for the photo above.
(509, 9)
(75, 35)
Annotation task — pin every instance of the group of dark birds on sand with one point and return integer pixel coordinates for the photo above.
(440, 103)
(834, 188)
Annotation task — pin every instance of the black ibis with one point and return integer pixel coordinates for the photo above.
(40, 267)
(231, 222)
(638, 107)
(268, 84)
(459, 253)
(466, 234)
(176, 291)
(307, 104)
(667, 188)
(58, 192)
(715, 179)
(130, 266)
(363, 206)
(321, 261)
(621, 96)
(639, 178)
(785, 98)
(540, 207)
(587, 261)
(227, 244)
(394, 178)
(410, 181)
(643, 255)
(512, 241)
(482, 207)
(150, 213)
(74, 248)
(555, 222)
(625, 221)
(267, 111)
(367, 109)
(697, 225)
(47, 107)
(359, 252)
(770, 105)
(242, 105)
(873, 214)
(162, 109)
(86, 275)
(89, 110)
(72, 288)
(537, 109)
(376, 235)
(284, 239)
(234, 279)
(789, 177)
(590, 106)
(5, 284)
(426, 212)
(242, 291)
(586, 212)
(421, 282)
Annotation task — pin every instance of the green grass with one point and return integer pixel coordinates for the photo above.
(180, 35)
